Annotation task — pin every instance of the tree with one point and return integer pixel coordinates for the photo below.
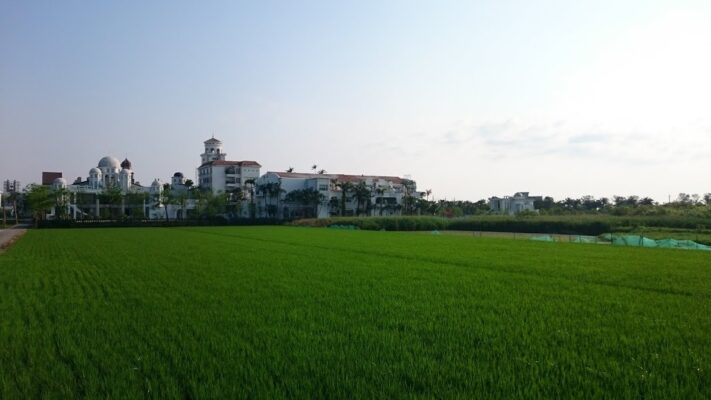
(683, 199)
(210, 205)
(250, 184)
(112, 197)
(290, 169)
(380, 200)
(135, 202)
(345, 187)
(61, 202)
(40, 201)
(646, 201)
(234, 202)
(362, 195)
(275, 191)
(309, 199)
(334, 204)
(189, 183)
(408, 186)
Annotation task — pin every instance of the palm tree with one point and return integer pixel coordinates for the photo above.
(314, 167)
(345, 188)
(321, 171)
(290, 169)
(264, 189)
(306, 198)
(407, 186)
(275, 190)
(362, 194)
(250, 183)
(380, 191)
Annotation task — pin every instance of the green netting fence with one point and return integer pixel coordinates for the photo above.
(626, 240)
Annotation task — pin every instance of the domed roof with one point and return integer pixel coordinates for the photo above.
(109, 162)
(178, 174)
(126, 164)
(212, 140)
(94, 171)
(59, 182)
(156, 183)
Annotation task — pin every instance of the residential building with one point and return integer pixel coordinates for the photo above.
(49, 177)
(220, 175)
(11, 186)
(520, 201)
(281, 194)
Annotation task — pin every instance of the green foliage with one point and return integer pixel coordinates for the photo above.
(309, 199)
(315, 313)
(578, 224)
(40, 200)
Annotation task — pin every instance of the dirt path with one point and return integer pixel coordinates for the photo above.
(9, 236)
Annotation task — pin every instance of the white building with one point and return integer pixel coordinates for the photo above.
(84, 197)
(280, 194)
(219, 175)
(520, 201)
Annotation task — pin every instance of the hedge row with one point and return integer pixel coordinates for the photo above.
(573, 225)
(129, 223)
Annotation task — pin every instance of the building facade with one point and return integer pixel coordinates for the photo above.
(293, 195)
(11, 186)
(520, 201)
(110, 191)
(220, 175)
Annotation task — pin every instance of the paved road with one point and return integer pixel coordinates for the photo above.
(7, 236)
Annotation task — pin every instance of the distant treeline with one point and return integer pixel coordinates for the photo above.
(683, 204)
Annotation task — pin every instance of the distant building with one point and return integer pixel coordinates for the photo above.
(84, 198)
(520, 201)
(49, 177)
(220, 175)
(387, 194)
(11, 186)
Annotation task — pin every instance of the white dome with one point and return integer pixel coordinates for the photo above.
(60, 182)
(109, 162)
(94, 171)
(155, 183)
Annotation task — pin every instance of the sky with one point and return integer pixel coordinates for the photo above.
(471, 99)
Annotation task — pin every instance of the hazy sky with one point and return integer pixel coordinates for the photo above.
(471, 98)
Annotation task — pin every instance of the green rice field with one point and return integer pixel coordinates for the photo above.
(286, 312)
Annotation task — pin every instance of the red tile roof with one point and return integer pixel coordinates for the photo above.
(337, 177)
(239, 163)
